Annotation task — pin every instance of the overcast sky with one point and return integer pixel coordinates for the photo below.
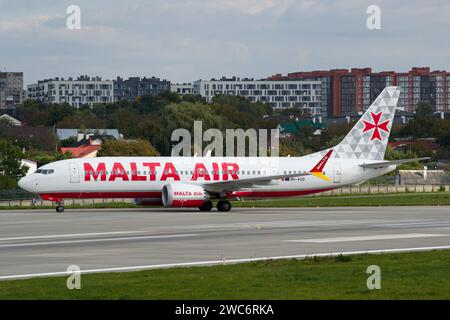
(185, 40)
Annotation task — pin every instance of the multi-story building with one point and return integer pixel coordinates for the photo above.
(11, 90)
(304, 94)
(133, 87)
(350, 92)
(76, 92)
(182, 88)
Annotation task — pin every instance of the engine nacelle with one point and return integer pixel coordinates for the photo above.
(183, 195)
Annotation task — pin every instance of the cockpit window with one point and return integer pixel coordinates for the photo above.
(45, 171)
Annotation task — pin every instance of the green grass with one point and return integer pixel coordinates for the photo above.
(393, 199)
(420, 275)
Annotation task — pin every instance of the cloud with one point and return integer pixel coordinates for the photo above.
(187, 40)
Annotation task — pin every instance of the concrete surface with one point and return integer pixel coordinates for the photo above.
(41, 241)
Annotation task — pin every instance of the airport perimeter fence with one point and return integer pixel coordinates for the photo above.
(18, 198)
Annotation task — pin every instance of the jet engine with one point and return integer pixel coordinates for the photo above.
(183, 195)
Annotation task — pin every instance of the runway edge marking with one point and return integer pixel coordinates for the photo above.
(369, 238)
(219, 262)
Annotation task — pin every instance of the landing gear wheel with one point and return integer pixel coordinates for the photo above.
(60, 209)
(207, 206)
(223, 205)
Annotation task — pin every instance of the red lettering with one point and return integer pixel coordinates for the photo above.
(100, 171)
(134, 173)
(230, 168)
(215, 167)
(152, 167)
(200, 172)
(118, 171)
(170, 172)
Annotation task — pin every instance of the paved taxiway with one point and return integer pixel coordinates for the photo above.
(41, 241)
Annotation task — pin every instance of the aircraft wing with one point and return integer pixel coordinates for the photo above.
(230, 185)
(391, 162)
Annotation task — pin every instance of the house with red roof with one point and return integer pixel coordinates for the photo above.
(83, 151)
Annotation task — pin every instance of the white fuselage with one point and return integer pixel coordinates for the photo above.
(145, 177)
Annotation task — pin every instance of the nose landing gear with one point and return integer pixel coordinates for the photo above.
(60, 207)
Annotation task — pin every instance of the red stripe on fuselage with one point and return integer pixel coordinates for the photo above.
(56, 196)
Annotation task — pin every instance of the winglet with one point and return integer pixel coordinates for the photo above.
(318, 168)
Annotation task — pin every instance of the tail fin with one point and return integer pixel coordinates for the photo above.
(368, 139)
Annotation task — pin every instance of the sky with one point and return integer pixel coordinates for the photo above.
(187, 40)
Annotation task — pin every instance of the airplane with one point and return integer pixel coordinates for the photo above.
(193, 182)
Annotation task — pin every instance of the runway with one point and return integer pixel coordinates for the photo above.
(41, 242)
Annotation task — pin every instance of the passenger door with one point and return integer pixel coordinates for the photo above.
(74, 173)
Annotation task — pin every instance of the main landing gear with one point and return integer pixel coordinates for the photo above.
(207, 206)
(222, 205)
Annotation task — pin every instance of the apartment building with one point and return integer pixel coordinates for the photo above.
(304, 94)
(129, 89)
(182, 88)
(11, 90)
(350, 92)
(77, 92)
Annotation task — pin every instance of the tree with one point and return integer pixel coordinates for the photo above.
(10, 160)
(117, 148)
(293, 147)
(11, 168)
(177, 116)
(423, 124)
(69, 142)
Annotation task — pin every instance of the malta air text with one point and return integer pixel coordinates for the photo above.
(156, 171)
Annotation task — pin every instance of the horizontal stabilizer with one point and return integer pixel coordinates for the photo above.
(383, 164)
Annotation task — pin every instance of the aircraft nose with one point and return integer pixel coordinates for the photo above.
(26, 183)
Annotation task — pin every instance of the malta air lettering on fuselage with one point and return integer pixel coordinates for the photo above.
(188, 193)
(149, 172)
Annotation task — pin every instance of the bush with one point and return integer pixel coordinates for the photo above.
(8, 182)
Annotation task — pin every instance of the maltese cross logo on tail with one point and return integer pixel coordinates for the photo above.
(376, 126)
